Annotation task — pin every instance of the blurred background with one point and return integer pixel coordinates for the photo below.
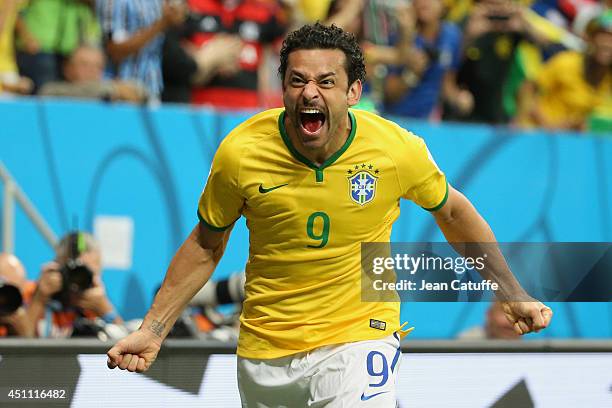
(111, 111)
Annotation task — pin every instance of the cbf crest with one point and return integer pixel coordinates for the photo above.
(362, 183)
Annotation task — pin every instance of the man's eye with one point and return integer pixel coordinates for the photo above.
(327, 82)
(297, 81)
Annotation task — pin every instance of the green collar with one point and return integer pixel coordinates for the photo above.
(318, 169)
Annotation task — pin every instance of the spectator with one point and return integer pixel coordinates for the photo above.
(586, 13)
(14, 320)
(573, 85)
(70, 299)
(416, 88)
(10, 80)
(349, 15)
(386, 31)
(133, 32)
(50, 30)
(496, 326)
(244, 80)
(373, 23)
(492, 32)
(84, 72)
(528, 57)
(185, 66)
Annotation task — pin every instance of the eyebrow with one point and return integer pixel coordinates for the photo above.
(318, 77)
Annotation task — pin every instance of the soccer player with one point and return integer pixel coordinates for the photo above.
(314, 180)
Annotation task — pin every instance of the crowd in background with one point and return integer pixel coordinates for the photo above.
(543, 63)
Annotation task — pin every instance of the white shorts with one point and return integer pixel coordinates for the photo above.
(351, 375)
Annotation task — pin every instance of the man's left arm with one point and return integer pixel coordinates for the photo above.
(465, 228)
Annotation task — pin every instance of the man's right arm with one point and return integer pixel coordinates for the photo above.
(190, 269)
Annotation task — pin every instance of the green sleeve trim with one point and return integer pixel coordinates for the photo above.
(437, 207)
(212, 227)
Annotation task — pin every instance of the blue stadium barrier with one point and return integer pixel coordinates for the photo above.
(79, 160)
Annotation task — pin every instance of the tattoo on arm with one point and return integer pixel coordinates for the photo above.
(157, 327)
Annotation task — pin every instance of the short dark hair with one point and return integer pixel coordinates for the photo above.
(319, 36)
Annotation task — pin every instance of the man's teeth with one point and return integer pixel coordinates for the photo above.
(310, 111)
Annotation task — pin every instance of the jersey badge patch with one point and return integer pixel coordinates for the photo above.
(362, 184)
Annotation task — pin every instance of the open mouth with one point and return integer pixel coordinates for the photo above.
(312, 120)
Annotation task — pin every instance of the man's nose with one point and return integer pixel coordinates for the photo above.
(311, 91)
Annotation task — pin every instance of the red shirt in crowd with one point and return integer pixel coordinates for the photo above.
(258, 23)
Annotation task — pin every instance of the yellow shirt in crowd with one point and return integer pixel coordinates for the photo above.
(307, 223)
(565, 96)
(10, 9)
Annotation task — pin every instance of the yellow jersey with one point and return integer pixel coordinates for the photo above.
(565, 95)
(307, 223)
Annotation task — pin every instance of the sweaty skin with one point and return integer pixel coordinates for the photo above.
(317, 79)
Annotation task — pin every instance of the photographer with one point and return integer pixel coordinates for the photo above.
(14, 319)
(70, 299)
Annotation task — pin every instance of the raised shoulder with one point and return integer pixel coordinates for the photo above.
(223, 198)
(418, 176)
(258, 125)
(385, 132)
(250, 132)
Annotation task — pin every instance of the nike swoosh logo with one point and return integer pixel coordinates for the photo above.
(264, 190)
(367, 397)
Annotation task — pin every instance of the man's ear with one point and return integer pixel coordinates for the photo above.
(354, 93)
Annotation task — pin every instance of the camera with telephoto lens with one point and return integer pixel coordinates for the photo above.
(76, 276)
(10, 298)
